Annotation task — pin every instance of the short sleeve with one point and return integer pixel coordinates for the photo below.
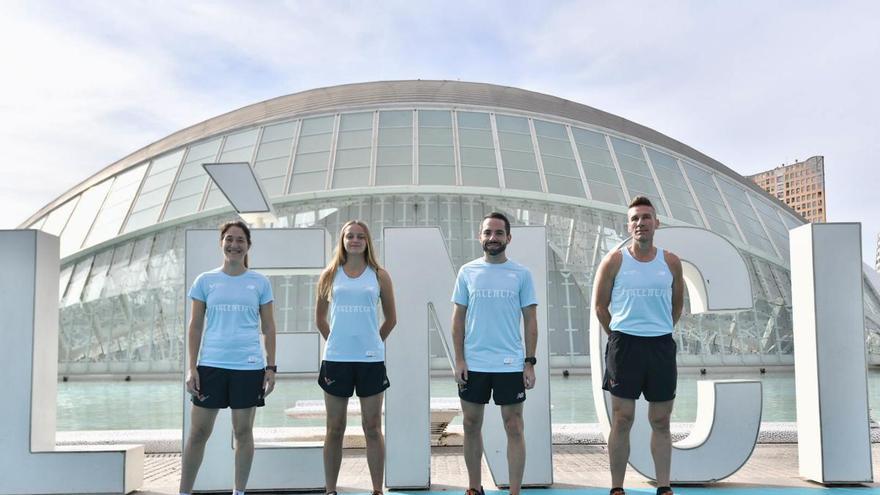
(197, 291)
(460, 294)
(527, 290)
(266, 295)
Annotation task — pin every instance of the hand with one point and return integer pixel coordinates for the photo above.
(268, 382)
(529, 376)
(461, 375)
(192, 384)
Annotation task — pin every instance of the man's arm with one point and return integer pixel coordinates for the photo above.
(604, 284)
(530, 334)
(459, 316)
(674, 264)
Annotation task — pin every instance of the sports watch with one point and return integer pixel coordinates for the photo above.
(272, 368)
(531, 360)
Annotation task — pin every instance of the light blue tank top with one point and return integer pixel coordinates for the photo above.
(641, 301)
(354, 321)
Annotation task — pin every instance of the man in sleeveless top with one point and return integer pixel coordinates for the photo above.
(490, 294)
(638, 299)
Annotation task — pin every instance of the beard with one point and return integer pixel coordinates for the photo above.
(495, 249)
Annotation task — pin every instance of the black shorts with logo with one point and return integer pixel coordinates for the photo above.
(505, 387)
(236, 389)
(636, 365)
(342, 378)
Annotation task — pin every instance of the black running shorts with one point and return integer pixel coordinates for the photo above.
(342, 378)
(637, 365)
(236, 389)
(505, 387)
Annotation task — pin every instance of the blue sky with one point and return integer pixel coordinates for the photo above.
(752, 84)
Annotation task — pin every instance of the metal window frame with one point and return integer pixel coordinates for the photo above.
(334, 143)
(539, 162)
(653, 173)
(577, 160)
(288, 178)
(613, 154)
(496, 143)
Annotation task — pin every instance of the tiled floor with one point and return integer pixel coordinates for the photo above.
(577, 469)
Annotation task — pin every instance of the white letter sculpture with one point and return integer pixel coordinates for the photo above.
(424, 276)
(275, 466)
(728, 411)
(834, 440)
(29, 459)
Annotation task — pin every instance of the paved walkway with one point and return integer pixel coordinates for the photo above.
(577, 470)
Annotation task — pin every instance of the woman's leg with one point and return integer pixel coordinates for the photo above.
(243, 430)
(337, 411)
(201, 425)
(371, 414)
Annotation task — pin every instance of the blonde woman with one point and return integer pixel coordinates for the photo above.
(349, 290)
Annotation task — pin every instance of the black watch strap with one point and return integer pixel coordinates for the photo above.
(531, 360)
(272, 368)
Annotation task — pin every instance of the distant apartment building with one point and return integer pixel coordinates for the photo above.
(800, 185)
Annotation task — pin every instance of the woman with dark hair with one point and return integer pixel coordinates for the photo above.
(226, 363)
(349, 290)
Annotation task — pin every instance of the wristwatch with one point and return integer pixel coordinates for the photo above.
(531, 360)
(272, 368)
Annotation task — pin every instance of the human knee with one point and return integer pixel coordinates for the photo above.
(199, 433)
(513, 425)
(372, 427)
(335, 427)
(243, 434)
(659, 423)
(472, 424)
(622, 420)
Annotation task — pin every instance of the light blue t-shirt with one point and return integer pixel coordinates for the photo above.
(641, 300)
(354, 321)
(494, 294)
(231, 338)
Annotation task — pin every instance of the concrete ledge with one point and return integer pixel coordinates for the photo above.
(168, 441)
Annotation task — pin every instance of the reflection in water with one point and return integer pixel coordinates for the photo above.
(118, 405)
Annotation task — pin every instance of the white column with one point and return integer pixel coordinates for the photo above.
(834, 442)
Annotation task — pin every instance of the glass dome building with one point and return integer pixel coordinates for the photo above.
(410, 153)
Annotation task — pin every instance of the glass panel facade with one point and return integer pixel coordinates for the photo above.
(394, 157)
(312, 155)
(353, 150)
(129, 316)
(711, 201)
(121, 305)
(57, 218)
(560, 167)
(517, 153)
(82, 217)
(119, 199)
(436, 149)
(598, 166)
(675, 189)
(148, 205)
(192, 180)
(238, 147)
(746, 217)
(273, 157)
(778, 231)
(636, 174)
(477, 149)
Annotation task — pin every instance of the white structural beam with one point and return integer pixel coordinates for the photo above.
(29, 461)
(728, 411)
(276, 466)
(423, 292)
(834, 442)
